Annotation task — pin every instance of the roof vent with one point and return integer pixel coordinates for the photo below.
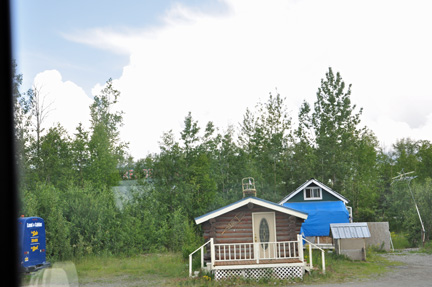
(248, 187)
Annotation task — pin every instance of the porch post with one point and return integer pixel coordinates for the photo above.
(190, 265)
(300, 247)
(212, 252)
(323, 260)
(310, 256)
(256, 251)
(202, 256)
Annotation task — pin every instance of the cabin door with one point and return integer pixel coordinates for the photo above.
(264, 229)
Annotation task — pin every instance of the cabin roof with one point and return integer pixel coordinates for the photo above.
(245, 201)
(350, 230)
(318, 183)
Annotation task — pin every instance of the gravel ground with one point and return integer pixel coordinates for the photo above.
(416, 271)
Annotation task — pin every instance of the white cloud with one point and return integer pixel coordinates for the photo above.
(65, 102)
(120, 42)
(217, 65)
(390, 130)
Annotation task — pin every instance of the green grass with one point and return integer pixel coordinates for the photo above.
(148, 268)
(339, 269)
(170, 269)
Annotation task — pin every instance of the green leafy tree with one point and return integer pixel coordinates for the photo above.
(189, 135)
(199, 183)
(424, 156)
(364, 185)
(105, 147)
(405, 152)
(334, 121)
(275, 126)
(302, 157)
(265, 137)
(230, 164)
(333, 148)
(183, 177)
(54, 163)
(80, 154)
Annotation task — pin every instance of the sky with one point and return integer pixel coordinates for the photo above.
(216, 58)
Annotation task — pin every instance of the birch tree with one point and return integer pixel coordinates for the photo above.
(40, 108)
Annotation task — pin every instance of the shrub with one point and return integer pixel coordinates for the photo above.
(400, 240)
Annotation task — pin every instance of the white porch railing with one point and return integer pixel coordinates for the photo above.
(256, 251)
(202, 255)
(310, 255)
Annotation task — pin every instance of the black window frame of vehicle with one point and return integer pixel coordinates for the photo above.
(8, 209)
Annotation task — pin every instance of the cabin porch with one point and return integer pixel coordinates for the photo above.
(253, 260)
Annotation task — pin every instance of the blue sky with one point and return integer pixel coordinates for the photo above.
(40, 26)
(216, 58)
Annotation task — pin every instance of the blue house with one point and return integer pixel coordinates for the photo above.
(323, 205)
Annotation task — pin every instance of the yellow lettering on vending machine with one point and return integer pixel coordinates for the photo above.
(34, 233)
(34, 248)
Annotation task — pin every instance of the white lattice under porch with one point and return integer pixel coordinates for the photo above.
(282, 272)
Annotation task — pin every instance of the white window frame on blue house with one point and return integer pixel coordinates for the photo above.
(312, 192)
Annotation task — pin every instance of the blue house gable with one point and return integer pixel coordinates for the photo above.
(323, 205)
(313, 191)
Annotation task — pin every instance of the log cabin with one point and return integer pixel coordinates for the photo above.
(252, 238)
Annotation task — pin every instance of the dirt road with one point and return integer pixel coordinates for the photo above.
(416, 271)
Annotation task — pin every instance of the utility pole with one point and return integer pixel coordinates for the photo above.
(403, 176)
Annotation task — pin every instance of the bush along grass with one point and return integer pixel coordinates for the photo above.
(400, 240)
(427, 248)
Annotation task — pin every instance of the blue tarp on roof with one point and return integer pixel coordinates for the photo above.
(321, 214)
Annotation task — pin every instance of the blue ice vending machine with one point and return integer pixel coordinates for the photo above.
(32, 243)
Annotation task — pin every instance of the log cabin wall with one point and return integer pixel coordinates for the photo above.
(236, 226)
